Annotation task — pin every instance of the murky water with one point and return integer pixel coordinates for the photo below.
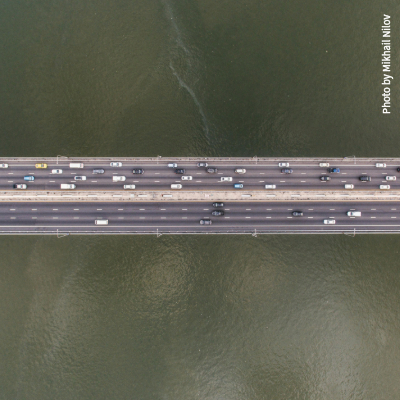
(273, 317)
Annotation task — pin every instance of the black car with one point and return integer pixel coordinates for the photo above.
(365, 178)
(334, 170)
(325, 178)
(202, 164)
(212, 170)
(287, 171)
(98, 171)
(205, 222)
(217, 213)
(398, 169)
(180, 171)
(138, 171)
(218, 204)
(297, 213)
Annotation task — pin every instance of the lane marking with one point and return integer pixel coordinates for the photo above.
(55, 209)
(34, 209)
(55, 217)
(76, 217)
(76, 209)
(99, 209)
(282, 181)
(52, 181)
(373, 217)
(303, 181)
(248, 217)
(12, 209)
(142, 209)
(157, 181)
(34, 217)
(13, 217)
(120, 209)
(310, 217)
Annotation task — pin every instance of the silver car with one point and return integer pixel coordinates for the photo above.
(116, 164)
(390, 178)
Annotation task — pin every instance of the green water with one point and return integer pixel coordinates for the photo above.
(272, 317)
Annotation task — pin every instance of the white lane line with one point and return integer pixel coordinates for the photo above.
(344, 181)
(248, 209)
(156, 173)
(227, 209)
(94, 181)
(373, 209)
(13, 217)
(393, 217)
(198, 173)
(261, 181)
(248, 217)
(73, 173)
(124, 217)
(12, 209)
(303, 181)
(184, 217)
(162, 209)
(393, 209)
(55, 217)
(331, 209)
(10, 181)
(141, 209)
(139, 217)
(344, 173)
(11, 173)
(267, 217)
(310, 217)
(303, 173)
(198, 181)
(76, 217)
(269, 209)
(52, 181)
(184, 209)
(163, 217)
(135, 181)
(282, 181)
(289, 217)
(34, 217)
(205, 209)
(34, 209)
(310, 209)
(241, 181)
(373, 217)
(76, 209)
(157, 181)
(262, 173)
(120, 209)
(99, 209)
(55, 209)
(290, 209)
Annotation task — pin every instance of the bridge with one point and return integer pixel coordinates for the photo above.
(145, 203)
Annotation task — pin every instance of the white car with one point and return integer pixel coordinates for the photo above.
(324, 164)
(354, 213)
(119, 178)
(226, 179)
(173, 165)
(20, 186)
(384, 187)
(283, 164)
(390, 178)
(129, 186)
(186, 178)
(80, 178)
(176, 186)
(56, 171)
(329, 222)
(116, 164)
(349, 186)
(3, 165)
(380, 165)
(270, 186)
(240, 171)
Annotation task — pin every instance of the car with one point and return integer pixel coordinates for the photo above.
(324, 164)
(287, 171)
(390, 178)
(384, 187)
(3, 165)
(297, 213)
(212, 170)
(270, 186)
(80, 178)
(187, 178)
(98, 171)
(365, 178)
(398, 169)
(380, 165)
(29, 178)
(67, 186)
(176, 186)
(349, 186)
(325, 178)
(329, 222)
(129, 186)
(217, 213)
(333, 170)
(217, 204)
(116, 164)
(172, 165)
(20, 186)
(353, 213)
(117, 178)
(226, 179)
(283, 164)
(138, 171)
(238, 185)
(180, 171)
(202, 164)
(40, 165)
(56, 171)
(240, 171)
(205, 222)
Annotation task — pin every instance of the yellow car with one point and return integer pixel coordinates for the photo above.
(41, 165)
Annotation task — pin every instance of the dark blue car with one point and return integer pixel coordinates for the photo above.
(29, 178)
(334, 170)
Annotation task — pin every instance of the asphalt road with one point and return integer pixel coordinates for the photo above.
(306, 176)
(248, 217)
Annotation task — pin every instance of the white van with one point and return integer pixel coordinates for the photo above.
(176, 186)
(349, 186)
(129, 186)
(324, 164)
(101, 221)
(384, 187)
(119, 178)
(76, 165)
(270, 186)
(354, 213)
(67, 186)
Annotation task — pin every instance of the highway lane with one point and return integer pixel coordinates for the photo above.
(239, 217)
(305, 176)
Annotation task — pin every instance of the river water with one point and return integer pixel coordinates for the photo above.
(192, 317)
